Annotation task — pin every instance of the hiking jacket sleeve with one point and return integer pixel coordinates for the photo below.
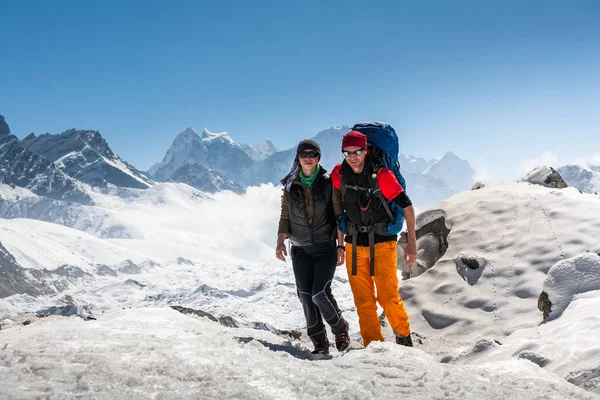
(336, 199)
(392, 189)
(336, 196)
(284, 218)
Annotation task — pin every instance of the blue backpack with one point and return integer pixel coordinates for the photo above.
(383, 143)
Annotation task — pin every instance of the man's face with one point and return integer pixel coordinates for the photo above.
(308, 159)
(355, 156)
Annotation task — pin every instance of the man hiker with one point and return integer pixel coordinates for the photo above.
(370, 248)
(308, 219)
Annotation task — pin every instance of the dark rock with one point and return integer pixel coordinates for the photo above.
(4, 129)
(545, 305)
(191, 311)
(555, 180)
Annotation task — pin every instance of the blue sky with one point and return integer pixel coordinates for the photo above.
(498, 83)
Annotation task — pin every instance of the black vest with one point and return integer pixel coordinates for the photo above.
(323, 225)
(372, 211)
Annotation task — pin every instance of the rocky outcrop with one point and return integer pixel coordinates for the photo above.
(432, 243)
(4, 129)
(545, 176)
(231, 322)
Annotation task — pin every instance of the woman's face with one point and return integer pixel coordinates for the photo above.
(308, 159)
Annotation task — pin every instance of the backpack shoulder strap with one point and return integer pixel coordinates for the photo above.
(374, 180)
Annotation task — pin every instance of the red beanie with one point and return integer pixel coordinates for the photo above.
(354, 138)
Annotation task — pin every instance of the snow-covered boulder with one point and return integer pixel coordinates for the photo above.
(545, 176)
(568, 278)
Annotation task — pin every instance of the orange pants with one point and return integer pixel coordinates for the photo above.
(386, 281)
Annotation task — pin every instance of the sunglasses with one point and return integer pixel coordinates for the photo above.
(353, 153)
(309, 154)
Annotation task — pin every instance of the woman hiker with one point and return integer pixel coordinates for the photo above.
(308, 220)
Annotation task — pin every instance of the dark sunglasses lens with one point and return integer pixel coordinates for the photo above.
(310, 154)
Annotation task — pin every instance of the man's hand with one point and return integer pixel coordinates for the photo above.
(410, 253)
(341, 257)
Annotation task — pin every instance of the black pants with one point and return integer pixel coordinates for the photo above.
(314, 267)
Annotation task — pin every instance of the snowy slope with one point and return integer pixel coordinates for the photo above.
(568, 345)
(159, 353)
(516, 232)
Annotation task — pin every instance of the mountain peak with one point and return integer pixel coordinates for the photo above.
(4, 129)
(206, 134)
(450, 156)
(188, 133)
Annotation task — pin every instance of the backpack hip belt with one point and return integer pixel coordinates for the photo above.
(379, 228)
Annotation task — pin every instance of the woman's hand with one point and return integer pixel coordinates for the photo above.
(280, 251)
(341, 257)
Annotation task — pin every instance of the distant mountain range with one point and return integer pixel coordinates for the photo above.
(75, 164)
(428, 181)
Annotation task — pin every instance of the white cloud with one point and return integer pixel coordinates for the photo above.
(547, 158)
(592, 159)
(482, 170)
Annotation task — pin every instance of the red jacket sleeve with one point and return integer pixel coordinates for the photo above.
(390, 187)
(336, 178)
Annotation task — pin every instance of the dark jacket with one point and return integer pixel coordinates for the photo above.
(307, 214)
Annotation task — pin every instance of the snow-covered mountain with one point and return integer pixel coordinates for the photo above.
(456, 172)
(260, 151)
(585, 177)
(216, 151)
(86, 156)
(22, 167)
(414, 165)
(204, 179)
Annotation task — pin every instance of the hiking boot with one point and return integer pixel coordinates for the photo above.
(404, 340)
(321, 350)
(342, 340)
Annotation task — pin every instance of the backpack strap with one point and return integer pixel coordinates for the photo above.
(377, 192)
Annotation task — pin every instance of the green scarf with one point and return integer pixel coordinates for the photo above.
(308, 180)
